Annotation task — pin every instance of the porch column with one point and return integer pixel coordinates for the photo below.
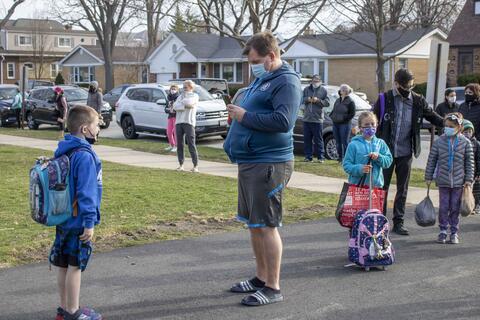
(199, 70)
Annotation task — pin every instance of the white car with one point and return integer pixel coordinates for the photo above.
(141, 110)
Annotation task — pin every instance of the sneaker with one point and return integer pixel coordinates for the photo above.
(442, 238)
(83, 314)
(180, 168)
(169, 148)
(400, 229)
(321, 160)
(307, 160)
(454, 238)
(174, 149)
(60, 313)
(195, 170)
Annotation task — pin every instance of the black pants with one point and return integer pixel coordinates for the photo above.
(402, 167)
(185, 130)
(18, 115)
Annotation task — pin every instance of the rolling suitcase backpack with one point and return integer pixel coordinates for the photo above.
(369, 244)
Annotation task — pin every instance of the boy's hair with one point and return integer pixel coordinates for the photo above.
(403, 76)
(454, 117)
(79, 116)
(366, 115)
(263, 43)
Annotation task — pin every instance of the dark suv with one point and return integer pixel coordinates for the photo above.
(7, 93)
(41, 105)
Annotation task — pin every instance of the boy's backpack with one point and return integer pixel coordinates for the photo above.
(369, 244)
(50, 200)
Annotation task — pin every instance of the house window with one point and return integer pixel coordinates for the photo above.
(239, 72)
(465, 63)
(306, 69)
(54, 70)
(83, 74)
(203, 70)
(11, 70)
(402, 63)
(477, 8)
(216, 70)
(65, 42)
(386, 70)
(174, 49)
(321, 70)
(227, 72)
(25, 40)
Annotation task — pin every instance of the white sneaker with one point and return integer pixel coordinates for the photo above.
(181, 168)
(195, 170)
(169, 148)
(174, 149)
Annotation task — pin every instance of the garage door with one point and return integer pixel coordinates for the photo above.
(164, 77)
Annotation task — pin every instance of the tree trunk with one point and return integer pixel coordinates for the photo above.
(380, 73)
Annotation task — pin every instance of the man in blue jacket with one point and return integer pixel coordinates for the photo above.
(260, 140)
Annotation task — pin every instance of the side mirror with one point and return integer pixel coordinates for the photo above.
(162, 102)
(218, 96)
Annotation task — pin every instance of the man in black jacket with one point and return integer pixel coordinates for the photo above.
(400, 121)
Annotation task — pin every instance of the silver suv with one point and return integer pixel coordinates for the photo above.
(141, 110)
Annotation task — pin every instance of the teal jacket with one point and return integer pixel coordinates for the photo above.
(357, 156)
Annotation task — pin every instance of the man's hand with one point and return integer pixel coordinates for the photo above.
(236, 112)
(467, 184)
(87, 235)
(373, 155)
(367, 168)
(315, 99)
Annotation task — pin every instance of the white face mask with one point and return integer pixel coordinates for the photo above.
(452, 99)
(173, 91)
(316, 85)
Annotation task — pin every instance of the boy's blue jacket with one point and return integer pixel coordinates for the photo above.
(85, 182)
(265, 134)
(356, 157)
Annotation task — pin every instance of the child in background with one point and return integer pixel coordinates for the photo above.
(452, 155)
(173, 94)
(469, 131)
(72, 247)
(365, 148)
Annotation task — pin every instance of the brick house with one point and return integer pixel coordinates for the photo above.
(340, 60)
(85, 63)
(464, 39)
(39, 44)
(185, 55)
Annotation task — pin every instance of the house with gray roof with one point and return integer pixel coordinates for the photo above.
(39, 44)
(339, 59)
(85, 63)
(187, 55)
(464, 39)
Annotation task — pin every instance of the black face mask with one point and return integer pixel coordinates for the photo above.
(469, 98)
(91, 140)
(403, 92)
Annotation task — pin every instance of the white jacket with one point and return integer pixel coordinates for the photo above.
(186, 108)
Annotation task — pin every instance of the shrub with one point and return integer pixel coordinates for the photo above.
(59, 79)
(465, 79)
(421, 88)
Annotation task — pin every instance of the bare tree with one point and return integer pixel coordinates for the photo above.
(41, 44)
(10, 12)
(441, 13)
(107, 17)
(155, 12)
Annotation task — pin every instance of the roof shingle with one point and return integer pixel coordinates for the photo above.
(466, 29)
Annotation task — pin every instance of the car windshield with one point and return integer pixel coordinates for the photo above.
(7, 93)
(76, 94)
(214, 85)
(460, 94)
(203, 94)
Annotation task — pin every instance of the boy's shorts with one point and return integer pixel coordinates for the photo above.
(69, 250)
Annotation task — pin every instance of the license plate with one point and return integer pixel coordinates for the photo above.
(223, 123)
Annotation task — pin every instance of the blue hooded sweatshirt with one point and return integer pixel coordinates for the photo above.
(265, 134)
(85, 182)
(357, 156)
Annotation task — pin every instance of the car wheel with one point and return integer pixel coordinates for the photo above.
(330, 147)
(105, 125)
(128, 128)
(32, 125)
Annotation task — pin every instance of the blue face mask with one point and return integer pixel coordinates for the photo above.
(369, 132)
(259, 70)
(449, 132)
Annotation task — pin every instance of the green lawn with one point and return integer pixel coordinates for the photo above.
(328, 169)
(140, 205)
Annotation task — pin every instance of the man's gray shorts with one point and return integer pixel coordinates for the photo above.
(260, 187)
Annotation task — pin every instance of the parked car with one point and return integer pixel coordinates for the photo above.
(41, 105)
(328, 139)
(141, 110)
(212, 85)
(113, 95)
(32, 84)
(7, 115)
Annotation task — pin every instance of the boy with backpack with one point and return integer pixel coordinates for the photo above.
(452, 158)
(72, 246)
(469, 132)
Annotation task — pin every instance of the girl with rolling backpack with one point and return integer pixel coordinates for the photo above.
(365, 159)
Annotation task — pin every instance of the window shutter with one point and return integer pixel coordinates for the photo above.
(16, 40)
(55, 42)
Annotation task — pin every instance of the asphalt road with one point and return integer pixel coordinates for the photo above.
(187, 279)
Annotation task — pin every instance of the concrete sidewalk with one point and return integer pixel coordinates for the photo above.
(125, 156)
